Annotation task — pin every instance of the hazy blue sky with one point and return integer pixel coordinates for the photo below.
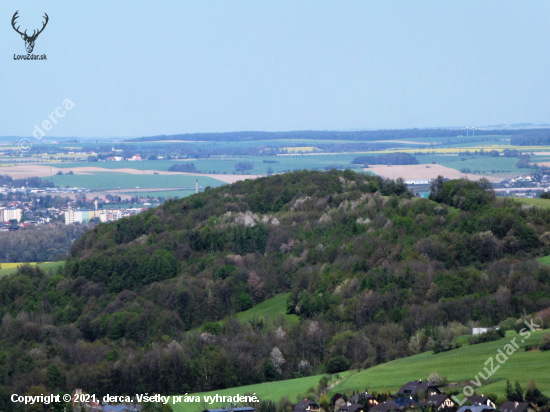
(136, 68)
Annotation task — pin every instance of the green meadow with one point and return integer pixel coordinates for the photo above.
(545, 203)
(268, 311)
(458, 365)
(10, 268)
(107, 180)
(270, 390)
(486, 164)
(163, 193)
(227, 165)
(544, 259)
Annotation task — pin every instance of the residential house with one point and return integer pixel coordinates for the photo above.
(367, 396)
(476, 408)
(353, 407)
(398, 404)
(481, 400)
(415, 387)
(479, 331)
(517, 407)
(441, 402)
(306, 405)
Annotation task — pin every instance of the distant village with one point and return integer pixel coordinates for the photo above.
(39, 210)
(529, 185)
(414, 395)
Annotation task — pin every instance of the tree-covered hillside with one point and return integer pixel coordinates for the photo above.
(373, 275)
(362, 135)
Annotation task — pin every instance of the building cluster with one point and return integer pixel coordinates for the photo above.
(407, 398)
(134, 158)
(104, 215)
(525, 181)
(18, 215)
(42, 190)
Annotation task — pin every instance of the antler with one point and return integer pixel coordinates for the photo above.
(44, 25)
(15, 16)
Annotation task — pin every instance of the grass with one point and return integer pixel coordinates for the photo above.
(457, 365)
(303, 149)
(544, 259)
(107, 180)
(227, 165)
(163, 193)
(9, 268)
(486, 164)
(269, 390)
(544, 203)
(268, 310)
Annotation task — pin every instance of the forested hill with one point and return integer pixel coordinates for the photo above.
(361, 135)
(373, 275)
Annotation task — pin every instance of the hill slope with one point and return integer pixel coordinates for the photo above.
(372, 274)
(457, 365)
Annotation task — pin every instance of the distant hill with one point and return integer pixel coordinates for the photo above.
(367, 135)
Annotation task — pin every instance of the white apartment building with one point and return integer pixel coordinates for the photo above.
(9, 213)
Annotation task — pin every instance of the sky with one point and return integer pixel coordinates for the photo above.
(136, 68)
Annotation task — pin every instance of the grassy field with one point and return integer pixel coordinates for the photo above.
(460, 365)
(227, 165)
(545, 203)
(486, 164)
(9, 268)
(160, 165)
(458, 140)
(270, 390)
(457, 365)
(106, 180)
(268, 310)
(164, 193)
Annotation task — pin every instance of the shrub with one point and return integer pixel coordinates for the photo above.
(490, 336)
(437, 380)
(183, 167)
(507, 324)
(212, 327)
(225, 271)
(338, 364)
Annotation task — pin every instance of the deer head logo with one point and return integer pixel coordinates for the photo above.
(29, 40)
